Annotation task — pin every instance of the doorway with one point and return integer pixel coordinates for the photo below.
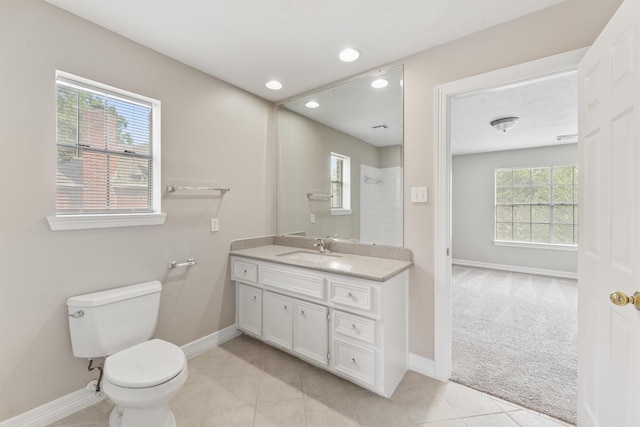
(443, 260)
(514, 231)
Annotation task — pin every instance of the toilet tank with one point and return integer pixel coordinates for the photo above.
(103, 323)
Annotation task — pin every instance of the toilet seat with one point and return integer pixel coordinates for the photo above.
(145, 365)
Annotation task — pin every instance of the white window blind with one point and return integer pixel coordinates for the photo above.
(337, 173)
(104, 150)
(340, 184)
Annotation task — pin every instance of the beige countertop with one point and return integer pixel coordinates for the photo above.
(364, 267)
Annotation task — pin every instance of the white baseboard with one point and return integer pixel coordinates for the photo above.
(71, 403)
(517, 269)
(422, 365)
(203, 344)
(55, 410)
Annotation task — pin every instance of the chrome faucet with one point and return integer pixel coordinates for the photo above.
(321, 244)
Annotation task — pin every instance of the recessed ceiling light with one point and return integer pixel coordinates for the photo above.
(312, 104)
(273, 85)
(379, 83)
(349, 54)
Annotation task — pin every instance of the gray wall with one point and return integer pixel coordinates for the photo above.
(473, 196)
(390, 156)
(211, 132)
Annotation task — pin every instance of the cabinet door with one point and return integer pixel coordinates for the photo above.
(278, 319)
(311, 331)
(250, 309)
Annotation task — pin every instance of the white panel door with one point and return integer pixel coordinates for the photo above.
(609, 253)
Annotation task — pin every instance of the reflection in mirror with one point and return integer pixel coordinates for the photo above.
(340, 162)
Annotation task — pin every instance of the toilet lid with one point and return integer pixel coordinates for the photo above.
(144, 365)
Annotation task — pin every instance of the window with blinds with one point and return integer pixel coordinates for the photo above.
(105, 149)
(340, 184)
(337, 166)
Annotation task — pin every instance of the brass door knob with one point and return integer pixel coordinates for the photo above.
(620, 298)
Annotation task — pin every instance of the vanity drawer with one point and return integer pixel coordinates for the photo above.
(308, 285)
(355, 362)
(354, 327)
(352, 295)
(245, 271)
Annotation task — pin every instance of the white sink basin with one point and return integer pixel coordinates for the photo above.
(310, 256)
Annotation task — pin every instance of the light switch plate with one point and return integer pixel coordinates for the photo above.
(419, 195)
(215, 224)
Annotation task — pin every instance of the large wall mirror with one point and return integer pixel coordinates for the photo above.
(340, 161)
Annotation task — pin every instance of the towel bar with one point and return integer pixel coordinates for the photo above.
(187, 263)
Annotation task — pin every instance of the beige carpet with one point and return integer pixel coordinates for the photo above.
(515, 337)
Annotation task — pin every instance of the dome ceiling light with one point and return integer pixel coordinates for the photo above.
(505, 123)
(312, 104)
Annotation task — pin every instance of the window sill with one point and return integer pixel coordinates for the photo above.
(87, 222)
(533, 245)
(341, 211)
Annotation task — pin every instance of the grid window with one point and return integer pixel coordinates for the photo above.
(340, 184)
(538, 205)
(107, 152)
(337, 173)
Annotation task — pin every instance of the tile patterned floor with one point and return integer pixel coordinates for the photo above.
(247, 383)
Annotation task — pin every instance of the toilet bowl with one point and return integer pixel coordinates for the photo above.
(140, 374)
(141, 380)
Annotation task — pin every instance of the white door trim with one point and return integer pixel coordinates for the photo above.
(556, 64)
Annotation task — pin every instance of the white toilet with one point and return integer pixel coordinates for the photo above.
(140, 376)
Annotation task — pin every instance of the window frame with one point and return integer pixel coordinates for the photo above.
(345, 184)
(551, 205)
(80, 221)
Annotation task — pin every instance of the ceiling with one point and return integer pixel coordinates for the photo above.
(249, 42)
(547, 108)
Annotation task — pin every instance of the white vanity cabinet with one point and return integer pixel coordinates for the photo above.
(353, 327)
